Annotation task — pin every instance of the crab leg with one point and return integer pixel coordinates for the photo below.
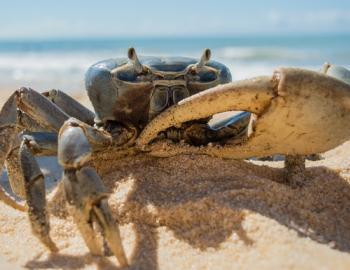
(8, 132)
(79, 191)
(25, 122)
(70, 106)
(8, 128)
(35, 194)
(35, 106)
(85, 190)
(295, 168)
(111, 231)
(41, 109)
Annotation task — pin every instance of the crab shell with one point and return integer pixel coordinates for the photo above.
(299, 112)
(118, 93)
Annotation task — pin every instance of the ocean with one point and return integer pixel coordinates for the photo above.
(61, 64)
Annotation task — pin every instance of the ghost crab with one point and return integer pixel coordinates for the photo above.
(160, 107)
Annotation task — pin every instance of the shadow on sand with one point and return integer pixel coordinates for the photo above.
(204, 202)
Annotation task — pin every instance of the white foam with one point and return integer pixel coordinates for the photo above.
(65, 70)
(266, 54)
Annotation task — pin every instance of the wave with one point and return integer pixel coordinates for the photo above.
(65, 70)
(266, 54)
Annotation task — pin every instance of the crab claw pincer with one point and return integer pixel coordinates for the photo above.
(299, 112)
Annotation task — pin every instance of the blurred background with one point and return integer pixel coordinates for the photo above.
(48, 44)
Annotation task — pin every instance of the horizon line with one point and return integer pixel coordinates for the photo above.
(170, 37)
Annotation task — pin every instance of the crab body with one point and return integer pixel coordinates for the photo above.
(163, 107)
(127, 92)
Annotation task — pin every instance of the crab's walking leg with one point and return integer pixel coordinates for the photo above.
(35, 106)
(35, 195)
(110, 230)
(17, 114)
(38, 107)
(8, 126)
(295, 169)
(43, 143)
(85, 190)
(8, 132)
(70, 106)
(79, 192)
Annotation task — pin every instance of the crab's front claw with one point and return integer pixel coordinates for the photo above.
(299, 112)
(248, 95)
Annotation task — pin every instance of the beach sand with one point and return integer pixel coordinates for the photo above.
(198, 212)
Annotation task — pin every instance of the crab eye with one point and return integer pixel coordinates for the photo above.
(207, 76)
(159, 99)
(179, 93)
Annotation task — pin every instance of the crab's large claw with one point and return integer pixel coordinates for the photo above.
(298, 112)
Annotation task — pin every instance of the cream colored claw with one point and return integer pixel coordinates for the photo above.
(299, 112)
(248, 95)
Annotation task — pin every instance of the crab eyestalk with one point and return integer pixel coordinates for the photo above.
(134, 60)
(204, 59)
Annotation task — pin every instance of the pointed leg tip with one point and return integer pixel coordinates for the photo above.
(50, 244)
(53, 248)
(22, 208)
(123, 262)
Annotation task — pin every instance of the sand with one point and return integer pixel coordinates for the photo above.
(191, 212)
(198, 212)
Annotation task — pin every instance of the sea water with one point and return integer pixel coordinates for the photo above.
(61, 64)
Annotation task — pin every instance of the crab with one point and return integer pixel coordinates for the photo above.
(163, 107)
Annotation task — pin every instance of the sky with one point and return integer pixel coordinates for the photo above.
(51, 19)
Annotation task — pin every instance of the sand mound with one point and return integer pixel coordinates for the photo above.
(191, 212)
